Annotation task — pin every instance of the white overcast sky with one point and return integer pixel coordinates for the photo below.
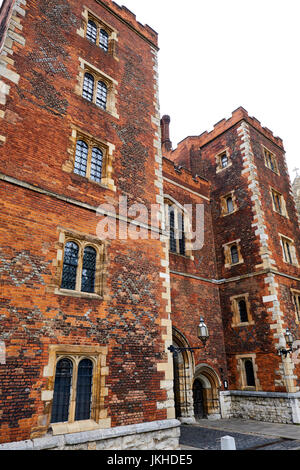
(217, 55)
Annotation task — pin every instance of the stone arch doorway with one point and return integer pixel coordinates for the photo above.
(206, 387)
(183, 364)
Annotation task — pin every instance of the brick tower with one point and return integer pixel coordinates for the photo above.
(257, 243)
(85, 320)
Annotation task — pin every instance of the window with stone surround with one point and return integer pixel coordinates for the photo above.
(223, 160)
(296, 302)
(97, 87)
(100, 33)
(232, 253)
(247, 372)
(228, 204)
(80, 265)
(270, 160)
(241, 311)
(278, 202)
(288, 250)
(76, 381)
(91, 159)
(178, 227)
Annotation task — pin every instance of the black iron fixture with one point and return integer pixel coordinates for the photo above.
(289, 339)
(203, 335)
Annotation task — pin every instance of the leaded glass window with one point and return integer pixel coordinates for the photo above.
(84, 390)
(181, 233)
(101, 97)
(172, 229)
(88, 87)
(224, 160)
(81, 158)
(62, 391)
(91, 31)
(88, 269)
(103, 40)
(96, 164)
(70, 266)
(234, 254)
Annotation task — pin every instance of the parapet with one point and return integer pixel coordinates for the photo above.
(130, 18)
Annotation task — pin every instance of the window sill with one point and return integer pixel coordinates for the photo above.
(77, 426)
(182, 256)
(83, 295)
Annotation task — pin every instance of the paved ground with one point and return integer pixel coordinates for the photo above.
(248, 435)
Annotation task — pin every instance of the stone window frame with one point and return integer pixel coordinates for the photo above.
(99, 413)
(241, 359)
(227, 253)
(292, 250)
(108, 149)
(296, 302)
(218, 159)
(113, 33)
(236, 319)
(274, 193)
(82, 241)
(223, 203)
(99, 76)
(170, 201)
(268, 153)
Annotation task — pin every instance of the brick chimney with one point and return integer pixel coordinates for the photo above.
(166, 144)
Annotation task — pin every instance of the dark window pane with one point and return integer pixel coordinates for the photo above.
(96, 164)
(101, 95)
(249, 373)
(230, 207)
(70, 266)
(84, 390)
(172, 229)
(81, 157)
(88, 87)
(243, 311)
(91, 31)
(88, 270)
(103, 40)
(234, 254)
(62, 391)
(181, 233)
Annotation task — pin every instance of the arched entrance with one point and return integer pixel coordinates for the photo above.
(183, 379)
(198, 399)
(206, 393)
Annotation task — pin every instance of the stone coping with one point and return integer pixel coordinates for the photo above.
(250, 393)
(50, 442)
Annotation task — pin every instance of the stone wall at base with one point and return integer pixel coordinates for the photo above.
(157, 435)
(262, 406)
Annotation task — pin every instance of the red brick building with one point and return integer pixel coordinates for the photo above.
(100, 272)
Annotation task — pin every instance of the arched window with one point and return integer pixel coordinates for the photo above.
(234, 254)
(96, 164)
(250, 378)
(229, 203)
(176, 221)
(243, 311)
(88, 87)
(101, 97)
(70, 266)
(62, 391)
(84, 390)
(88, 269)
(81, 158)
(224, 160)
(103, 40)
(91, 31)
